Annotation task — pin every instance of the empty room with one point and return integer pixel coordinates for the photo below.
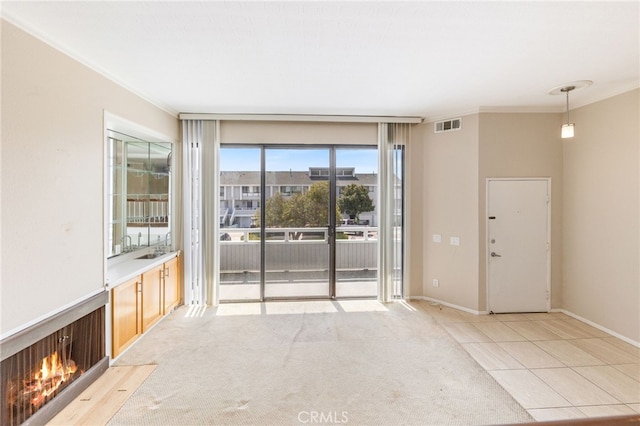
(265, 213)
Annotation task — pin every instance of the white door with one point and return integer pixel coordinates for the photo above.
(518, 259)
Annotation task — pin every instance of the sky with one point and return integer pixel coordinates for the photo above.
(248, 159)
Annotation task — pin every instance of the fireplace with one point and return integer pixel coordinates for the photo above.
(44, 367)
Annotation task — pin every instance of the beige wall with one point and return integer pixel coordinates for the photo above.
(522, 145)
(455, 168)
(288, 132)
(52, 175)
(601, 211)
(450, 208)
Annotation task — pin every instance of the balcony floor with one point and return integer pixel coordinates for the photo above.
(298, 289)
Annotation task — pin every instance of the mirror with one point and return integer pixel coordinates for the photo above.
(139, 194)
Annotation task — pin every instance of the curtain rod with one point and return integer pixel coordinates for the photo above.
(302, 117)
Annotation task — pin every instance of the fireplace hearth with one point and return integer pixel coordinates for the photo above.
(44, 367)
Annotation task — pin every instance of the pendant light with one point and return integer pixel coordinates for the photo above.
(567, 128)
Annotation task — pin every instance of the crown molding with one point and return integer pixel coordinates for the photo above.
(617, 90)
(452, 115)
(584, 101)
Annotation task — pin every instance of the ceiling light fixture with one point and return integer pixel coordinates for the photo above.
(568, 129)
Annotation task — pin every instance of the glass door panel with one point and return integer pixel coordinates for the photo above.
(239, 194)
(357, 224)
(297, 240)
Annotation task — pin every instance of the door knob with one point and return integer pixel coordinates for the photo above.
(494, 254)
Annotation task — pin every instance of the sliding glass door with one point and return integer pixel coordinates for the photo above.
(298, 222)
(357, 229)
(239, 195)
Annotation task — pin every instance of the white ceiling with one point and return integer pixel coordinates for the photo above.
(355, 58)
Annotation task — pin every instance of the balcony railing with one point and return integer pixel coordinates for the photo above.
(289, 249)
(297, 262)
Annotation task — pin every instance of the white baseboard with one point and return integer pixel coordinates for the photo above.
(450, 305)
(564, 311)
(599, 327)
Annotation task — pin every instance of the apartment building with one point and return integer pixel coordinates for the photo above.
(240, 191)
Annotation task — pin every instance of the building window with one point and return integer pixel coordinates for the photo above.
(250, 190)
(345, 172)
(319, 171)
(288, 190)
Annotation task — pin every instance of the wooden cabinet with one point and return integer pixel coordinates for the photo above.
(152, 309)
(127, 327)
(139, 303)
(171, 284)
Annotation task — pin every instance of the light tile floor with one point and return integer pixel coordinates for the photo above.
(555, 366)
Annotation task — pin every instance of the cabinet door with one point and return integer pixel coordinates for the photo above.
(125, 307)
(151, 297)
(171, 284)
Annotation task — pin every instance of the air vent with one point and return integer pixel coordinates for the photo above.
(448, 125)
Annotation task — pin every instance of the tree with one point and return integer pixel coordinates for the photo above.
(355, 200)
(318, 203)
(300, 210)
(295, 212)
(276, 207)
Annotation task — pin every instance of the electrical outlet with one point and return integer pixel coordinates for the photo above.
(437, 238)
(436, 283)
(454, 241)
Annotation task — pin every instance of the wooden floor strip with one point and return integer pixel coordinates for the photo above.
(100, 401)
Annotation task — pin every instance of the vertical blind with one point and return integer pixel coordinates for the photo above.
(392, 138)
(192, 137)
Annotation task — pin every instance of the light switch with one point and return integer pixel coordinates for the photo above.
(454, 241)
(437, 238)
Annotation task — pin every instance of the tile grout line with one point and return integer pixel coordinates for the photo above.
(566, 365)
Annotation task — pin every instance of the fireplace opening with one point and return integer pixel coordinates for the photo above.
(36, 375)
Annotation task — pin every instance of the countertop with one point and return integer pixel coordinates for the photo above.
(123, 271)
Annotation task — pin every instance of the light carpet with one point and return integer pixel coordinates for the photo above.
(314, 362)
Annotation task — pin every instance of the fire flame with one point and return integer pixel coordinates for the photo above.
(54, 371)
